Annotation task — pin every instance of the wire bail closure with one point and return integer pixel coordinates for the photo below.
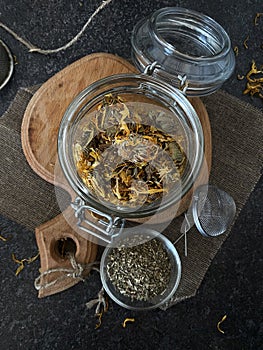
(182, 79)
(149, 69)
(183, 83)
(106, 228)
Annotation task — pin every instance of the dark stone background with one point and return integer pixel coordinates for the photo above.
(233, 284)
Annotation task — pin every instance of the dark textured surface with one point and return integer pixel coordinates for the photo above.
(233, 284)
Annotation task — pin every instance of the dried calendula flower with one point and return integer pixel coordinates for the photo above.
(22, 262)
(254, 81)
(126, 154)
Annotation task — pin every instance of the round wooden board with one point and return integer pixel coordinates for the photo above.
(45, 110)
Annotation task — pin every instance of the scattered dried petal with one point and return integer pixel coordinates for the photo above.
(22, 262)
(219, 323)
(245, 42)
(258, 15)
(3, 238)
(254, 81)
(127, 320)
(236, 51)
(99, 315)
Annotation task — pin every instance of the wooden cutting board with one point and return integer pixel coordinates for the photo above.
(39, 141)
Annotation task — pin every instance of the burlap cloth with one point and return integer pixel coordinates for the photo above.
(237, 138)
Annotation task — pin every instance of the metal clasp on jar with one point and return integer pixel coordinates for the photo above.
(182, 79)
(106, 228)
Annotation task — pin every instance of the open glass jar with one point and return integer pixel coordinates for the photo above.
(185, 43)
(132, 144)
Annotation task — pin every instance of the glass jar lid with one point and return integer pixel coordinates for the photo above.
(184, 43)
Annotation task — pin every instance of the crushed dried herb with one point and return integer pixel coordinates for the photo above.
(140, 272)
(126, 154)
(22, 262)
(254, 84)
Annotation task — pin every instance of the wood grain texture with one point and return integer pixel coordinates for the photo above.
(46, 108)
(47, 236)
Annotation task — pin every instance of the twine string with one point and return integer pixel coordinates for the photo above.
(33, 48)
(76, 272)
(99, 301)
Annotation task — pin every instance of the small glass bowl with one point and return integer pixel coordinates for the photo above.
(175, 274)
(187, 43)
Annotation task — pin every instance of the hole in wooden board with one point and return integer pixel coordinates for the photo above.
(65, 246)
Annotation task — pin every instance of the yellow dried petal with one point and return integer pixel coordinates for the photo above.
(258, 15)
(3, 238)
(127, 320)
(245, 42)
(219, 323)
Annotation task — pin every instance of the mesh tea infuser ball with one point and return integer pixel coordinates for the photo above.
(212, 212)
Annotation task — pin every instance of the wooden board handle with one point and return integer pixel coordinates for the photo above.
(50, 238)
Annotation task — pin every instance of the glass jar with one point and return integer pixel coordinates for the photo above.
(186, 43)
(179, 52)
(137, 91)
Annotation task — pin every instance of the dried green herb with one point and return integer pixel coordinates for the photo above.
(129, 153)
(140, 272)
